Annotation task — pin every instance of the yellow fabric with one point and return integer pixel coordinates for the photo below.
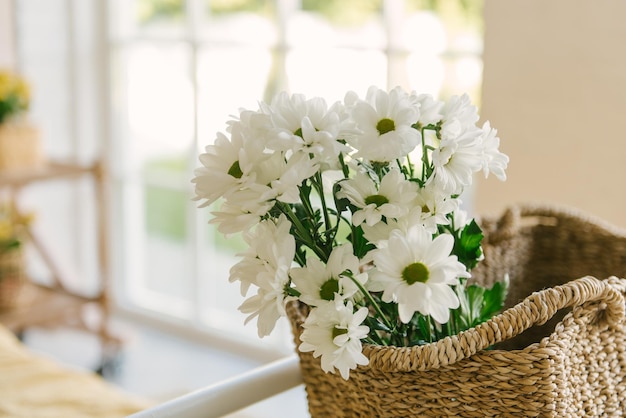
(33, 386)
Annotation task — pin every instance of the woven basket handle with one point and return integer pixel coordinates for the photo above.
(539, 307)
(514, 217)
(536, 309)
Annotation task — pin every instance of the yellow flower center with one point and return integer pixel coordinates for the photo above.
(235, 170)
(339, 331)
(416, 272)
(385, 125)
(376, 199)
(329, 288)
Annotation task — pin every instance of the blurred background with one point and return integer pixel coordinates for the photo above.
(143, 86)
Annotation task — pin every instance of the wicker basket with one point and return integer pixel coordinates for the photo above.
(12, 278)
(575, 365)
(20, 146)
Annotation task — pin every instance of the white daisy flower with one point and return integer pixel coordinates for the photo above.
(459, 116)
(319, 283)
(268, 305)
(274, 179)
(391, 199)
(270, 247)
(230, 163)
(242, 210)
(247, 269)
(494, 161)
(429, 209)
(434, 206)
(455, 161)
(266, 265)
(306, 125)
(334, 332)
(381, 231)
(384, 121)
(417, 271)
(429, 108)
(222, 171)
(288, 175)
(460, 219)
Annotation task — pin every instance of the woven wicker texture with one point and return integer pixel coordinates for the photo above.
(12, 278)
(575, 365)
(20, 146)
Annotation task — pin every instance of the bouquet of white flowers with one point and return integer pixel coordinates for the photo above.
(354, 210)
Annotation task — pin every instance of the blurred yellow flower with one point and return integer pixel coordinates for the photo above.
(11, 227)
(14, 94)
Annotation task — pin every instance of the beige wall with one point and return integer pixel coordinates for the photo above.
(555, 88)
(7, 42)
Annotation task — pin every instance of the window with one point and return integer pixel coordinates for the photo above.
(179, 69)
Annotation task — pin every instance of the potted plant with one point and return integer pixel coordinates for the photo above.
(19, 141)
(356, 231)
(12, 263)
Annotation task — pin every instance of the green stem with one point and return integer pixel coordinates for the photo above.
(306, 203)
(319, 186)
(300, 259)
(344, 167)
(370, 299)
(373, 337)
(425, 161)
(375, 341)
(303, 233)
(430, 329)
(411, 168)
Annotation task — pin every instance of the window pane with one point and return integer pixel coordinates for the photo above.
(244, 22)
(457, 16)
(463, 75)
(157, 131)
(443, 46)
(159, 102)
(336, 47)
(223, 7)
(165, 209)
(426, 73)
(330, 73)
(229, 79)
(167, 258)
(325, 24)
(162, 18)
(219, 298)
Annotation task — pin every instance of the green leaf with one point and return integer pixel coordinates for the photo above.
(9, 246)
(494, 298)
(467, 245)
(478, 304)
(377, 325)
(360, 244)
(475, 296)
(425, 329)
(305, 189)
(340, 204)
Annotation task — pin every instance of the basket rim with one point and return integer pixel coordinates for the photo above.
(509, 222)
(535, 309)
